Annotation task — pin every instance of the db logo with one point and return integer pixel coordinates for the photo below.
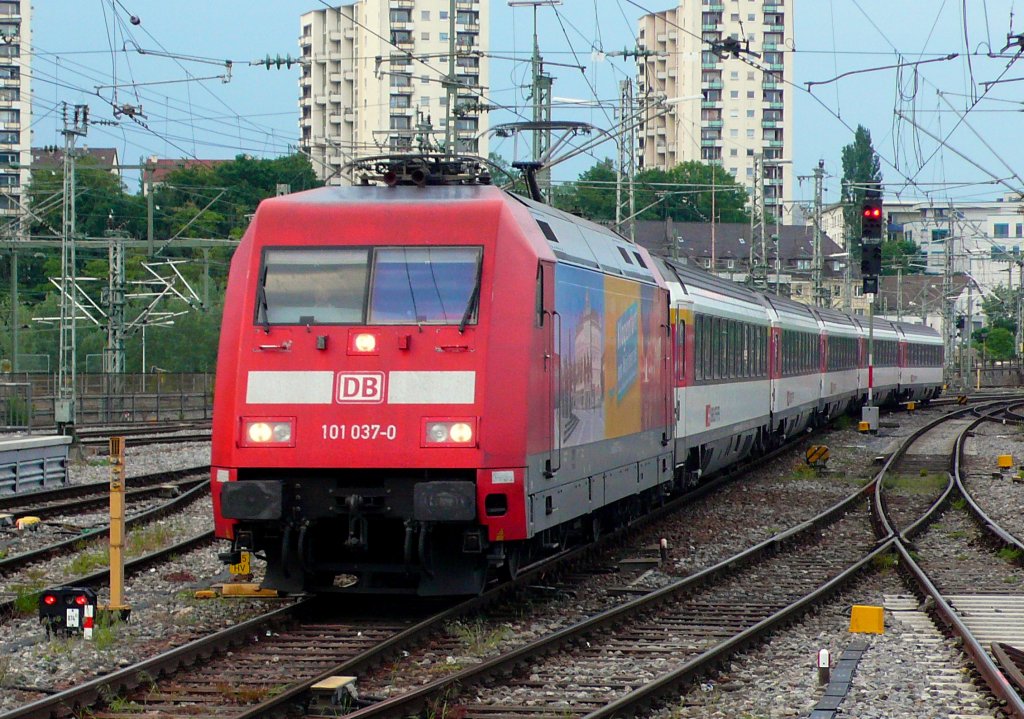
(365, 387)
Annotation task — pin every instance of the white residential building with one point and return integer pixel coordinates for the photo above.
(373, 79)
(15, 111)
(733, 111)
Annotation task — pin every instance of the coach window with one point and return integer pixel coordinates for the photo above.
(312, 286)
(718, 347)
(705, 347)
(680, 350)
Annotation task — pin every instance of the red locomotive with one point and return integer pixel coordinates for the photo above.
(419, 384)
(425, 382)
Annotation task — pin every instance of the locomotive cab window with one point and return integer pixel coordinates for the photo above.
(392, 285)
(432, 285)
(312, 286)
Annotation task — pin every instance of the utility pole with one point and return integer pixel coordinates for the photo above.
(848, 269)
(821, 298)
(759, 246)
(625, 196)
(64, 406)
(540, 94)
(113, 353)
(948, 305)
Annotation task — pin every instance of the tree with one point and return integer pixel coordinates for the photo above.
(900, 255)
(999, 344)
(998, 306)
(861, 169)
(683, 193)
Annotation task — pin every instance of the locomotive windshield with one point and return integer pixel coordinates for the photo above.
(385, 285)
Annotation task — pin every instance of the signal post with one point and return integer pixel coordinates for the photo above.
(870, 269)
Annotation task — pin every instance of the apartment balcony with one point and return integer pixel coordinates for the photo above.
(774, 105)
(709, 28)
(709, 65)
(771, 123)
(334, 119)
(710, 141)
(335, 56)
(350, 115)
(770, 85)
(402, 4)
(711, 85)
(776, 66)
(773, 143)
(402, 25)
(715, 7)
(336, 98)
(772, 8)
(709, 104)
(470, 27)
(713, 123)
(466, 4)
(770, 46)
(775, 28)
(335, 77)
(402, 90)
(320, 99)
(773, 180)
(335, 35)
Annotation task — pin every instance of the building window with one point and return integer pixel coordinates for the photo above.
(400, 101)
(444, 37)
(750, 134)
(444, 14)
(9, 137)
(734, 94)
(750, 113)
(733, 152)
(424, 36)
(401, 122)
(734, 75)
(425, 15)
(1001, 229)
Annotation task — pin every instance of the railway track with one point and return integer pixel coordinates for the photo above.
(658, 626)
(142, 434)
(87, 495)
(964, 579)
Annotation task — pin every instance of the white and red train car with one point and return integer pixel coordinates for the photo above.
(418, 386)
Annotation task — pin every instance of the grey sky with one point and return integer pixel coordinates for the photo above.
(256, 112)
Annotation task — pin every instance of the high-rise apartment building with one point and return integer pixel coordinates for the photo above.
(373, 78)
(15, 112)
(733, 111)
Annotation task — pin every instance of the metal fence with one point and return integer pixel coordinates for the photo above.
(16, 406)
(108, 398)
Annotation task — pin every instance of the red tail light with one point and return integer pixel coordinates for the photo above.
(80, 600)
(49, 600)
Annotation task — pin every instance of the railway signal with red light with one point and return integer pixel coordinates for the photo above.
(871, 219)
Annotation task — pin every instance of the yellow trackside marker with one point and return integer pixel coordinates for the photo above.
(243, 565)
(863, 426)
(205, 594)
(962, 399)
(911, 406)
(245, 589)
(1005, 461)
(867, 620)
(817, 455)
(117, 531)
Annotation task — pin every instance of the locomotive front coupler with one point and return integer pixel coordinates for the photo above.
(357, 524)
(243, 542)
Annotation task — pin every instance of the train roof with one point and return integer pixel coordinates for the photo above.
(693, 277)
(588, 244)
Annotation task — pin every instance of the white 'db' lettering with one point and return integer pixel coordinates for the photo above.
(367, 387)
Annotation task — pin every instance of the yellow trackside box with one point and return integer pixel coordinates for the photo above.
(867, 620)
(1005, 461)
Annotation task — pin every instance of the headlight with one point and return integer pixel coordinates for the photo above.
(449, 433)
(267, 433)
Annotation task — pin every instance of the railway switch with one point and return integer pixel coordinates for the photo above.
(68, 610)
